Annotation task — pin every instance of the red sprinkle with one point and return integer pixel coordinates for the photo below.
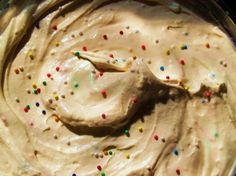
(49, 75)
(207, 93)
(57, 68)
(85, 48)
(99, 167)
(104, 93)
(178, 171)
(182, 62)
(111, 56)
(156, 137)
(167, 77)
(121, 32)
(17, 71)
(143, 47)
(101, 73)
(105, 37)
(103, 115)
(39, 90)
(26, 109)
(54, 27)
(134, 99)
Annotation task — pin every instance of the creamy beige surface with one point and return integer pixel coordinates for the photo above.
(124, 113)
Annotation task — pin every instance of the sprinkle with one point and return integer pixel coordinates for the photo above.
(81, 33)
(37, 25)
(37, 104)
(140, 129)
(162, 68)
(76, 85)
(110, 152)
(84, 48)
(31, 56)
(186, 33)
(121, 32)
(168, 52)
(111, 55)
(207, 94)
(103, 115)
(99, 167)
(207, 45)
(104, 93)
(178, 171)
(102, 174)
(44, 83)
(26, 110)
(28, 76)
(54, 27)
(143, 47)
(101, 73)
(73, 174)
(56, 97)
(156, 41)
(57, 44)
(176, 152)
(216, 135)
(127, 132)
(28, 91)
(28, 106)
(35, 91)
(155, 137)
(105, 37)
(184, 47)
(49, 75)
(43, 112)
(17, 71)
(17, 100)
(127, 156)
(21, 69)
(34, 85)
(77, 53)
(50, 101)
(182, 62)
(167, 77)
(39, 90)
(63, 96)
(163, 140)
(57, 68)
(134, 99)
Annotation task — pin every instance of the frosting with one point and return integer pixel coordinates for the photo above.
(115, 88)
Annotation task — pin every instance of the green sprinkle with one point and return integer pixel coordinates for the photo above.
(35, 91)
(110, 152)
(102, 174)
(77, 53)
(76, 85)
(216, 134)
(126, 132)
(28, 106)
(44, 83)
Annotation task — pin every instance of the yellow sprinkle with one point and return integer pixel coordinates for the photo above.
(168, 52)
(34, 85)
(30, 54)
(186, 87)
(57, 44)
(127, 156)
(56, 97)
(140, 129)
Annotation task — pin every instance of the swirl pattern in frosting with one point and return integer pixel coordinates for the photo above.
(136, 88)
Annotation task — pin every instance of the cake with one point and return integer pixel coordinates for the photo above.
(114, 88)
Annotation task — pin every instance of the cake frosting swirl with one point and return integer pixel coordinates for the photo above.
(115, 88)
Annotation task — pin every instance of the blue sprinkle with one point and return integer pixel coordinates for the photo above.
(37, 104)
(43, 112)
(37, 25)
(162, 68)
(184, 47)
(74, 174)
(176, 152)
(186, 33)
